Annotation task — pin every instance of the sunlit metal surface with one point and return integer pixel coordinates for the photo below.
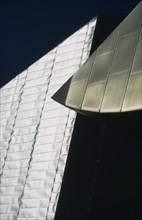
(111, 79)
(36, 131)
(79, 83)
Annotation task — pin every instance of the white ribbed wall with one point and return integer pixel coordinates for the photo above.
(36, 131)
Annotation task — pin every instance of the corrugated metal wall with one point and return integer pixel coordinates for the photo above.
(36, 131)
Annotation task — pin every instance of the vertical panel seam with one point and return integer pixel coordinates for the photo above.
(33, 145)
(12, 131)
(108, 76)
(89, 74)
(130, 70)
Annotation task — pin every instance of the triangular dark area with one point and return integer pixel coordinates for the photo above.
(61, 95)
(105, 25)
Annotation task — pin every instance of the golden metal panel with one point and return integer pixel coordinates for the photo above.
(93, 97)
(133, 98)
(95, 89)
(76, 94)
(114, 93)
(124, 53)
(101, 67)
(133, 21)
(101, 83)
(137, 64)
(109, 43)
(84, 70)
(78, 85)
(103, 59)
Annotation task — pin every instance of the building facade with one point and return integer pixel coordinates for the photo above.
(36, 131)
(39, 135)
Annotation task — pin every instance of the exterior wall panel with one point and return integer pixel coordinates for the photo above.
(107, 78)
(36, 131)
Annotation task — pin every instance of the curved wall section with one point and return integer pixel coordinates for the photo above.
(111, 79)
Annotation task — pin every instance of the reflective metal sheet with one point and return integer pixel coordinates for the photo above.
(116, 85)
(9, 108)
(110, 43)
(105, 87)
(93, 97)
(137, 64)
(101, 67)
(36, 131)
(132, 22)
(79, 83)
(133, 98)
(124, 52)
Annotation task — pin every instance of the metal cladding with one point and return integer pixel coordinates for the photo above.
(111, 79)
(36, 131)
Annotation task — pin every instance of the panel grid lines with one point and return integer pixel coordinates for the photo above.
(18, 212)
(3, 165)
(42, 131)
(116, 43)
(124, 95)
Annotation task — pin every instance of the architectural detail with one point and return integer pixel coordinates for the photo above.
(111, 79)
(36, 131)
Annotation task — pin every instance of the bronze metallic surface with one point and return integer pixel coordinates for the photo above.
(111, 82)
(77, 90)
(133, 98)
(93, 97)
(110, 43)
(101, 67)
(79, 83)
(114, 93)
(133, 21)
(124, 53)
(137, 64)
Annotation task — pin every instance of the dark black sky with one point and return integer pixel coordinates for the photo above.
(31, 28)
